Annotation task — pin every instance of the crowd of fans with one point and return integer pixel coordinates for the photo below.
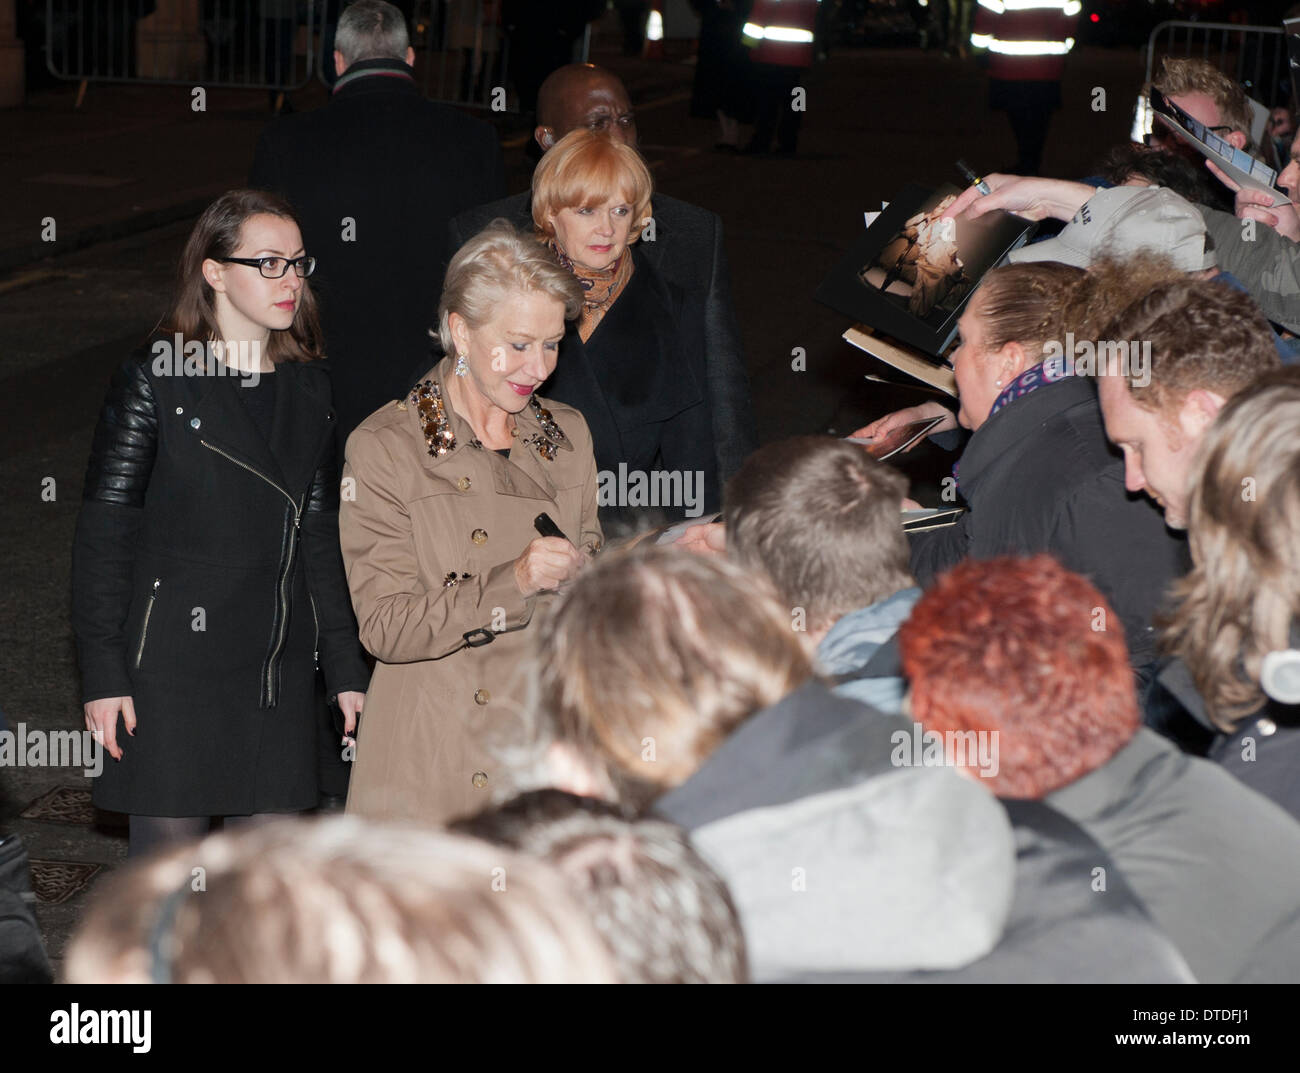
(1058, 740)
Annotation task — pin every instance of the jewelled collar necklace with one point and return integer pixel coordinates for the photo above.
(435, 422)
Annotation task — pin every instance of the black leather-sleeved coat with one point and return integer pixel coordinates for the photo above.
(207, 583)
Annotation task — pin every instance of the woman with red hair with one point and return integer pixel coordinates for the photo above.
(633, 362)
(1028, 653)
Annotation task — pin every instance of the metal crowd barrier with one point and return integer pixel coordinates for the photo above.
(1254, 56)
(462, 51)
(244, 44)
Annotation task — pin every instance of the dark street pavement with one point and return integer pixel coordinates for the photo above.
(123, 177)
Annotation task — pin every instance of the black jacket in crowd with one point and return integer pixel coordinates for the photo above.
(1263, 751)
(1040, 476)
(206, 577)
(687, 252)
(399, 167)
(640, 381)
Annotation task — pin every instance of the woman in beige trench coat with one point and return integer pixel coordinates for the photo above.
(445, 567)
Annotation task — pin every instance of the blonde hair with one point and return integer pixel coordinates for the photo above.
(1180, 76)
(585, 169)
(336, 901)
(1243, 593)
(498, 260)
(655, 656)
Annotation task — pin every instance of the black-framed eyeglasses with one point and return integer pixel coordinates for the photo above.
(275, 267)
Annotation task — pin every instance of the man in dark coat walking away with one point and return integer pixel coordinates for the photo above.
(686, 247)
(374, 178)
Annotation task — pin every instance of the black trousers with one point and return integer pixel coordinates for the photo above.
(773, 113)
(1029, 106)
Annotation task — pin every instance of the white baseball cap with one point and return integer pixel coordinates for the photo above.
(1123, 220)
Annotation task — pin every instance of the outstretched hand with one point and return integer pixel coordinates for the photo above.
(1032, 198)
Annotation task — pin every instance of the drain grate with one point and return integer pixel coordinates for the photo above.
(63, 804)
(54, 882)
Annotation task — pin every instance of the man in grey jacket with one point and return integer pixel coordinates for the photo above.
(1025, 650)
(684, 243)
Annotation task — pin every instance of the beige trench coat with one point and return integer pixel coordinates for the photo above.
(408, 522)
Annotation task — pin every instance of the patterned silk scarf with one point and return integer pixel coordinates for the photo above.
(1045, 372)
(599, 289)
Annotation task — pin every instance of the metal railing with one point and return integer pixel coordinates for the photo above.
(462, 51)
(246, 44)
(1253, 56)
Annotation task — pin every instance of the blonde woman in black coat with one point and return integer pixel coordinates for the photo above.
(207, 579)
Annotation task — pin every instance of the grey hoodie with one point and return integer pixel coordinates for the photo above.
(837, 860)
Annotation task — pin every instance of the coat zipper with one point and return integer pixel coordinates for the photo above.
(315, 642)
(258, 473)
(288, 566)
(284, 614)
(144, 630)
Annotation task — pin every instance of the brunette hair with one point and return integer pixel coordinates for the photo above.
(654, 656)
(337, 900)
(585, 169)
(498, 260)
(1109, 286)
(1030, 651)
(1025, 303)
(665, 914)
(819, 517)
(1203, 335)
(1243, 593)
(217, 234)
(1158, 167)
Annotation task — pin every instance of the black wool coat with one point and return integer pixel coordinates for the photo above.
(399, 167)
(687, 252)
(206, 577)
(1040, 476)
(641, 383)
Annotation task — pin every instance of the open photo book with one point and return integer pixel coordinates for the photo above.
(907, 278)
(911, 273)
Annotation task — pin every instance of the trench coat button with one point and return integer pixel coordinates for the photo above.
(482, 696)
(463, 484)
(180, 409)
(479, 780)
(479, 536)
(194, 422)
(1266, 727)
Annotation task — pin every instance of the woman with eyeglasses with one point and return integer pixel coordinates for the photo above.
(207, 579)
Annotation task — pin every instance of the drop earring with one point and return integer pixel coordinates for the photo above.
(462, 366)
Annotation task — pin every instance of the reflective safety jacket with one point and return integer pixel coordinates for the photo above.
(781, 32)
(1027, 39)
